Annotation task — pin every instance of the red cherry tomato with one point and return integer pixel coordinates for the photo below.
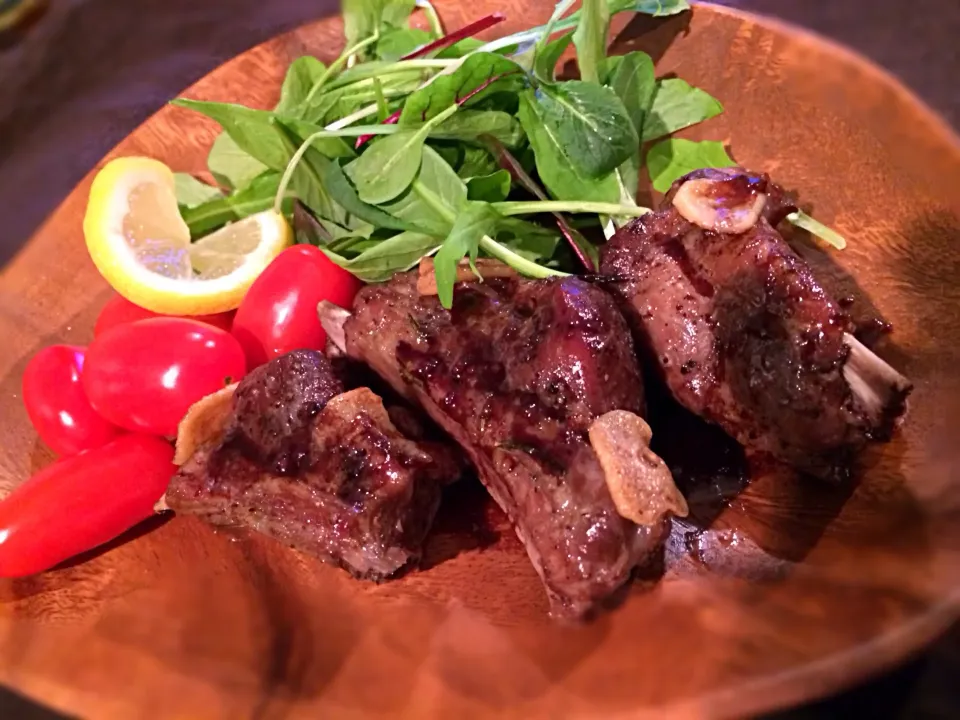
(145, 375)
(279, 312)
(57, 404)
(81, 502)
(119, 311)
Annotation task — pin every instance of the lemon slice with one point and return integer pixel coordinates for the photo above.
(141, 246)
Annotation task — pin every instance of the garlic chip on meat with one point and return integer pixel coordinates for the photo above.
(640, 483)
(204, 423)
(719, 205)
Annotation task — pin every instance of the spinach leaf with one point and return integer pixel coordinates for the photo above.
(467, 125)
(363, 18)
(489, 188)
(434, 199)
(301, 75)
(557, 171)
(590, 122)
(677, 105)
(673, 158)
(460, 48)
(473, 222)
(396, 43)
(191, 192)
(632, 78)
(527, 239)
(590, 38)
(334, 104)
(323, 180)
(396, 254)
(391, 164)
(230, 166)
(545, 64)
(487, 72)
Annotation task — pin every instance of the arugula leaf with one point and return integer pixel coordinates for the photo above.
(396, 254)
(527, 239)
(545, 63)
(555, 167)
(489, 188)
(334, 104)
(250, 129)
(217, 211)
(493, 73)
(631, 77)
(590, 38)
(191, 192)
(468, 125)
(590, 122)
(473, 222)
(673, 158)
(396, 43)
(391, 164)
(301, 75)
(676, 105)
(230, 166)
(434, 198)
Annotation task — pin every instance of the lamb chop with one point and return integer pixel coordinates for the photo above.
(287, 453)
(740, 329)
(538, 382)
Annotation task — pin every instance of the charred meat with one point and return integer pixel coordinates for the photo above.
(741, 330)
(538, 382)
(291, 455)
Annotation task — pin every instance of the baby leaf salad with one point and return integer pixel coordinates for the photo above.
(422, 142)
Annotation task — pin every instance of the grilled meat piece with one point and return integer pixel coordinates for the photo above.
(517, 373)
(323, 471)
(740, 329)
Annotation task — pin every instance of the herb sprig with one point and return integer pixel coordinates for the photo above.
(463, 128)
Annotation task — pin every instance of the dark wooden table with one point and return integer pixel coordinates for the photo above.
(89, 71)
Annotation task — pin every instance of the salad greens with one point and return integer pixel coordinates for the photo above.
(416, 143)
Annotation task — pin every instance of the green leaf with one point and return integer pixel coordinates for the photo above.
(232, 167)
(251, 129)
(396, 254)
(631, 77)
(476, 161)
(301, 75)
(657, 8)
(434, 199)
(447, 90)
(676, 105)
(394, 44)
(191, 192)
(590, 38)
(590, 122)
(489, 188)
(545, 64)
(324, 180)
(461, 48)
(390, 165)
(255, 197)
(467, 125)
(671, 159)
(473, 222)
(530, 240)
(817, 228)
(363, 18)
(557, 171)
(334, 104)
(331, 147)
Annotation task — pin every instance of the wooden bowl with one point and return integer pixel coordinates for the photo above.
(795, 590)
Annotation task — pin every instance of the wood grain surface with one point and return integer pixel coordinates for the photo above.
(791, 591)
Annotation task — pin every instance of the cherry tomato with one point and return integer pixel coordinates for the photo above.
(81, 502)
(119, 311)
(279, 312)
(57, 404)
(145, 375)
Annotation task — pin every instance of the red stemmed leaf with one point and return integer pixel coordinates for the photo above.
(442, 43)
